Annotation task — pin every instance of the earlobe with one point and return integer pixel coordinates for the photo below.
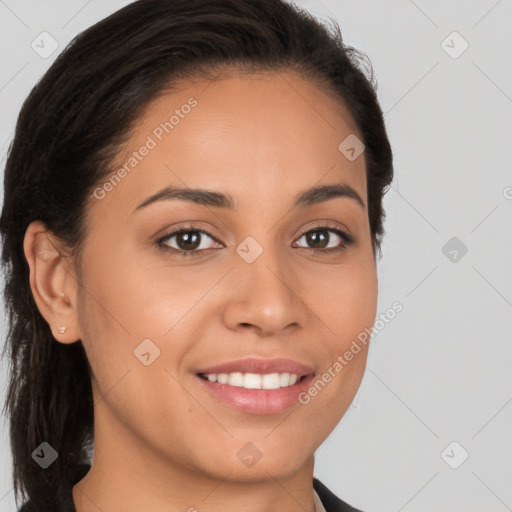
(52, 281)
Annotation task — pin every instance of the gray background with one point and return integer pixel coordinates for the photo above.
(440, 371)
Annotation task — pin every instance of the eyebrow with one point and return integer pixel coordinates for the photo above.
(210, 198)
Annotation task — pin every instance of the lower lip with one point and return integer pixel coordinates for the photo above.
(258, 401)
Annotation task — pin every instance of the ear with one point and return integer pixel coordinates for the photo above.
(53, 281)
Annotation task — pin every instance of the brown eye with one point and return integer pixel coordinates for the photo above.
(323, 238)
(317, 239)
(188, 241)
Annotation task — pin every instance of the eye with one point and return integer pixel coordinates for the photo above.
(188, 240)
(321, 238)
(191, 241)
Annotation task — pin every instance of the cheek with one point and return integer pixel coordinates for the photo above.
(114, 325)
(128, 301)
(347, 310)
(122, 306)
(345, 299)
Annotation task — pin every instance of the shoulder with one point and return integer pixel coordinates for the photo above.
(330, 501)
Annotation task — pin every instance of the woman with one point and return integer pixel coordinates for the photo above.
(192, 213)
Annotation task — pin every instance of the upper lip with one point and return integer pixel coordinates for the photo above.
(261, 366)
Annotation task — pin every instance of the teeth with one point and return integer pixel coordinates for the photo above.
(222, 378)
(254, 380)
(236, 379)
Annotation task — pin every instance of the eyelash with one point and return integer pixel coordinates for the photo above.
(347, 239)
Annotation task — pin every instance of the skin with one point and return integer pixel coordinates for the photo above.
(162, 442)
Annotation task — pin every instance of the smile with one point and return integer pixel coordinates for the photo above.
(255, 393)
(254, 380)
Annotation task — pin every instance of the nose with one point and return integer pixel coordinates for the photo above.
(265, 297)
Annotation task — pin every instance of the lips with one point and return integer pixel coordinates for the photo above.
(261, 366)
(238, 385)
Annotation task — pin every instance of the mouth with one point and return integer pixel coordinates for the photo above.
(255, 380)
(269, 393)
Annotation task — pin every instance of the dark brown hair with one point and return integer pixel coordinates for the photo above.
(68, 133)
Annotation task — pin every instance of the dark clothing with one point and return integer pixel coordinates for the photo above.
(329, 500)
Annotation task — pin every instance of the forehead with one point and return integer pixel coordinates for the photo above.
(265, 135)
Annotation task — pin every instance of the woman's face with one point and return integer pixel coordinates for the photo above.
(255, 275)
